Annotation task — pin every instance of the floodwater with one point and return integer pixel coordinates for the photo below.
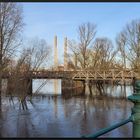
(54, 115)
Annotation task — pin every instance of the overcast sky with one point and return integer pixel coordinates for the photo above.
(45, 20)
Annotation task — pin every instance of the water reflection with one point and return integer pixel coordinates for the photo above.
(71, 117)
(47, 86)
(56, 115)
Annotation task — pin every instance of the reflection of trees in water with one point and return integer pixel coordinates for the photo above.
(32, 123)
(106, 112)
(97, 113)
(22, 125)
(55, 106)
(90, 113)
(84, 122)
(1, 126)
(85, 114)
(99, 89)
(23, 95)
(125, 129)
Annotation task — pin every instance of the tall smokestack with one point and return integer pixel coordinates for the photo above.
(55, 53)
(75, 60)
(65, 53)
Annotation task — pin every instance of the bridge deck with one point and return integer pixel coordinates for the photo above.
(82, 75)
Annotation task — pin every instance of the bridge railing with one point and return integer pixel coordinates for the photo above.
(108, 129)
(105, 75)
(134, 118)
(82, 75)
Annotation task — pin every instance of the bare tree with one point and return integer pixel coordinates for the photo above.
(72, 44)
(131, 43)
(121, 45)
(11, 24)
(86, 35)
(38, 52)
(103, 54)
(33, 58)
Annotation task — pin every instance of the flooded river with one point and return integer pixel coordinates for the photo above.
(54, 115)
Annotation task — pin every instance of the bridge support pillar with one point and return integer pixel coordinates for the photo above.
(87, 90)
(71, 87)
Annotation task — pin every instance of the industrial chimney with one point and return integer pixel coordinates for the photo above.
(55, 53)
(65, 53)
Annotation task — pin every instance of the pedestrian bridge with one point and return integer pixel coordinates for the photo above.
(84, 75)
(80, 75)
